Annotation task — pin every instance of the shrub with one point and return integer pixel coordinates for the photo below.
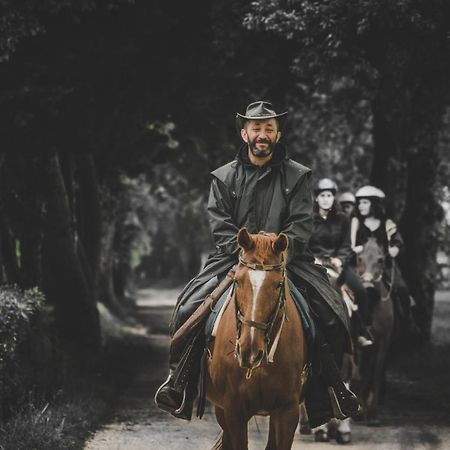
(19, 338)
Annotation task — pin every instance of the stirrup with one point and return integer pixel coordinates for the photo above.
(337, 410)
(155, 398)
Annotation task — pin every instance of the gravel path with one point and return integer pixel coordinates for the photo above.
(415, 415)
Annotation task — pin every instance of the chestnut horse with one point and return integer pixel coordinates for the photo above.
(258, 361)
(371, 269)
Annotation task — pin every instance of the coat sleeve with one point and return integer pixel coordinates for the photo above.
(344, 249)
(393, 235)
(220, 209)
(298, 223)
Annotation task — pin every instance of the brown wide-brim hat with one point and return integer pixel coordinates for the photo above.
(259, 110)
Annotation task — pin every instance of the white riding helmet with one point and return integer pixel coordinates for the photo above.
(370, 192)
(347, 197)
(325, 184)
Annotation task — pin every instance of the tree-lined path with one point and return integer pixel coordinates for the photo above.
(415, 416)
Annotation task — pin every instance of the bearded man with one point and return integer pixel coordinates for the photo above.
(264, 190)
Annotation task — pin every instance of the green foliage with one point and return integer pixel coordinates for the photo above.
(17, 309)
(27, 18)
(59, 424)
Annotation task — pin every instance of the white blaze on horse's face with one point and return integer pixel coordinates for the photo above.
(256, 279)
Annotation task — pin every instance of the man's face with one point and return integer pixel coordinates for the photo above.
(325, 200)
(364, 206)
(261, 136)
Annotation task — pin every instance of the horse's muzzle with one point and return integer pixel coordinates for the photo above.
(250, 360)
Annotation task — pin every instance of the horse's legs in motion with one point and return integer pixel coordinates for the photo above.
(236, 425)
(304, 420)
(380, 363)
(224, 440)
(283, 423)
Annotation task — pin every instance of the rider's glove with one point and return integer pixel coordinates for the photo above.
(336, 262)
(358, 249)
(393, 251)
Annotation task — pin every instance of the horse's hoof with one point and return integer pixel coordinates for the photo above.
(344, 438)
(305, 428)
(321, 436)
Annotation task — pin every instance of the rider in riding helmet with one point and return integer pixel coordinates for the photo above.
(330, 243)
(347, 201)
(371, 221)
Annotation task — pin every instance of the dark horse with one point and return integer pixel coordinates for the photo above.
(257, 363)
(371, 269)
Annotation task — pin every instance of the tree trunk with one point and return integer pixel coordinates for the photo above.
(388, 166)
(75, 308)
(9, 257)
(106, 288)
(89, 217)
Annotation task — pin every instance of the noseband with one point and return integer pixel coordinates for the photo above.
(267, 327)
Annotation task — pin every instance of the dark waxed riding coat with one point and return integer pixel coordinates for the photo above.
(273, 198)
(331, 236)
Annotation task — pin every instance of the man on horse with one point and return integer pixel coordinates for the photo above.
(263, 190)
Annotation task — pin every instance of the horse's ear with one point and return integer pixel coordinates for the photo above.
(280, 244)
(245, 241)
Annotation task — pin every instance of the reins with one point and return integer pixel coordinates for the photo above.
(268, 326)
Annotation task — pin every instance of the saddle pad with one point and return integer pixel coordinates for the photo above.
(215, 314)
(304, 311)
(297, 297)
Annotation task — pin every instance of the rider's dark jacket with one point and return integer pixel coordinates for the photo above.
(380, 234)
(274, 198)
(331, 235)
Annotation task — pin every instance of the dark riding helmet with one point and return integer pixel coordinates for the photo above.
(325, 184)
(347, 197)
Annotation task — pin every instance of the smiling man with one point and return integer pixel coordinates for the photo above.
(263, 190)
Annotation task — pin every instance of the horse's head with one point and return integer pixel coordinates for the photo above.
(259, 293)
(370, 262)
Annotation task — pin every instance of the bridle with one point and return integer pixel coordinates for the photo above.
(267, 327)
(379, 282)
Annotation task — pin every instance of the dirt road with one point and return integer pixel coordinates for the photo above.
(416, 413)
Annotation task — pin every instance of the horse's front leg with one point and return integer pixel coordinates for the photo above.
(224, 442)
(380, 365)
(283, 423)
(236, 422)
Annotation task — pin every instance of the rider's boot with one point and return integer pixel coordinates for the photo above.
(177, 394)
(343, 401)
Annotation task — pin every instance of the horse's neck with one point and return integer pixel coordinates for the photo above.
(372, 223)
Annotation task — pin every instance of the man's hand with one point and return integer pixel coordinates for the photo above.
(358, 249)
(393, 251)
(336, 262)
